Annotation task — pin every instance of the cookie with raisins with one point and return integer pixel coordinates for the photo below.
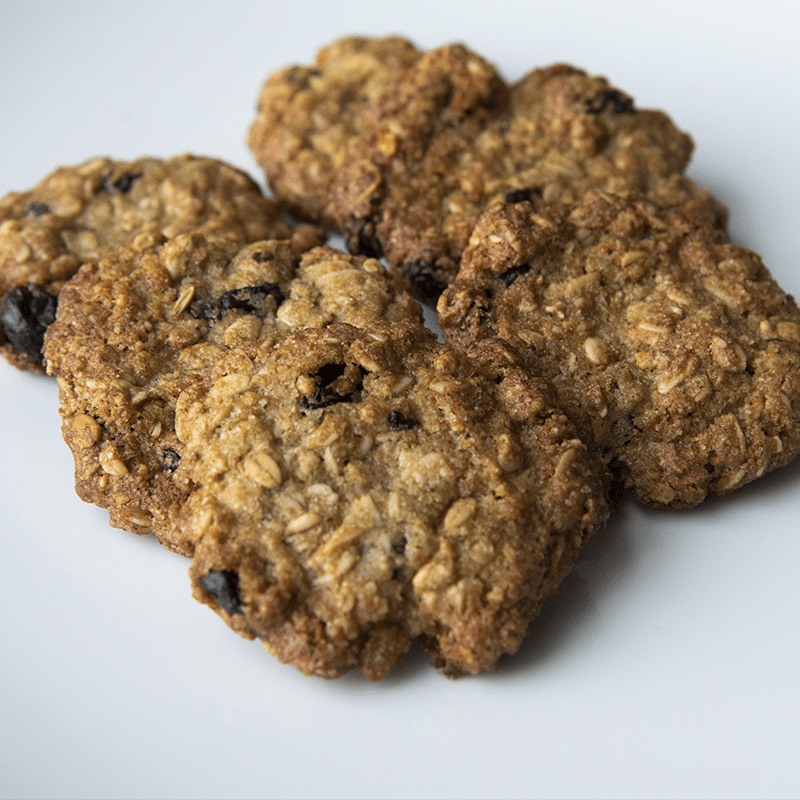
(84, 213)
(352, 490)
(419, 155)
(135, 329)
(674, 351)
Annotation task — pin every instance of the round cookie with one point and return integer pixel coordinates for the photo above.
(675, 352)
(356, 489)
(447, 135)
(138, 327)
(85, 212)
(308, 119)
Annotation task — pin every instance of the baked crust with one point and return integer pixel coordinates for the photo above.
(674, 351)
(309, 117)
(135, 329)
(86, 212)
(404, 160)
(356, 489)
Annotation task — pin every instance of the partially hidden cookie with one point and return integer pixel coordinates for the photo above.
(411, 168)
(135, 329)
(85, 212)
(309, 117)
(356, 489)
(674, 351)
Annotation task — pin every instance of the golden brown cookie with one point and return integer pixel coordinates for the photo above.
(308, 120)
(84, 213)
(405, 167)
(675, 352)
(356, 489)
(135, 329)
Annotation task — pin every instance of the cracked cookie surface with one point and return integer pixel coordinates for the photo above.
(675, 352)
(85, 212)
(356, 489)
(419, 157)
(138, 327)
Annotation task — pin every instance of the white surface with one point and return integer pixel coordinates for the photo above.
(668, 665)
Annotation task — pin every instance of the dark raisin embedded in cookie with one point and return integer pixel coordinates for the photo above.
(423, 277)
(223, 586)
(170, 459)
(612, 100)
(122, 184)
(25, 313)
(334, 383)
(400, 421)
(512, 273)
(36, 209)
(251, 299)
(361, 236)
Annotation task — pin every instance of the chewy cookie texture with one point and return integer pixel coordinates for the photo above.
(86, 212)
(673, 350)
(401, 150)
(134, 330)
(357, 489)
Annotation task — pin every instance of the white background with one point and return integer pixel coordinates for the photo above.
(667, 667)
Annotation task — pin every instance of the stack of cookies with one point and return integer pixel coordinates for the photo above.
(274, 409)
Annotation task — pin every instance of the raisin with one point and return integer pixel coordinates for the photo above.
(401, 421)
(324, 393)
(618, 102)
(300, 74)
(328, 373)
(25, 313)
(170, 461)
(420, 273)
(201, 310)
(123, 184)
(522, 195)
(510, 275)
(362, 238)
(223, 586)
(250, 299)
(399, 546)
(36, 209)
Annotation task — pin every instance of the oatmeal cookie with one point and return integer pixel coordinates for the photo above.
(84, 213)
(674, 351)
(356, 489)
(135, 329)
(308, 120)
(421, 156)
